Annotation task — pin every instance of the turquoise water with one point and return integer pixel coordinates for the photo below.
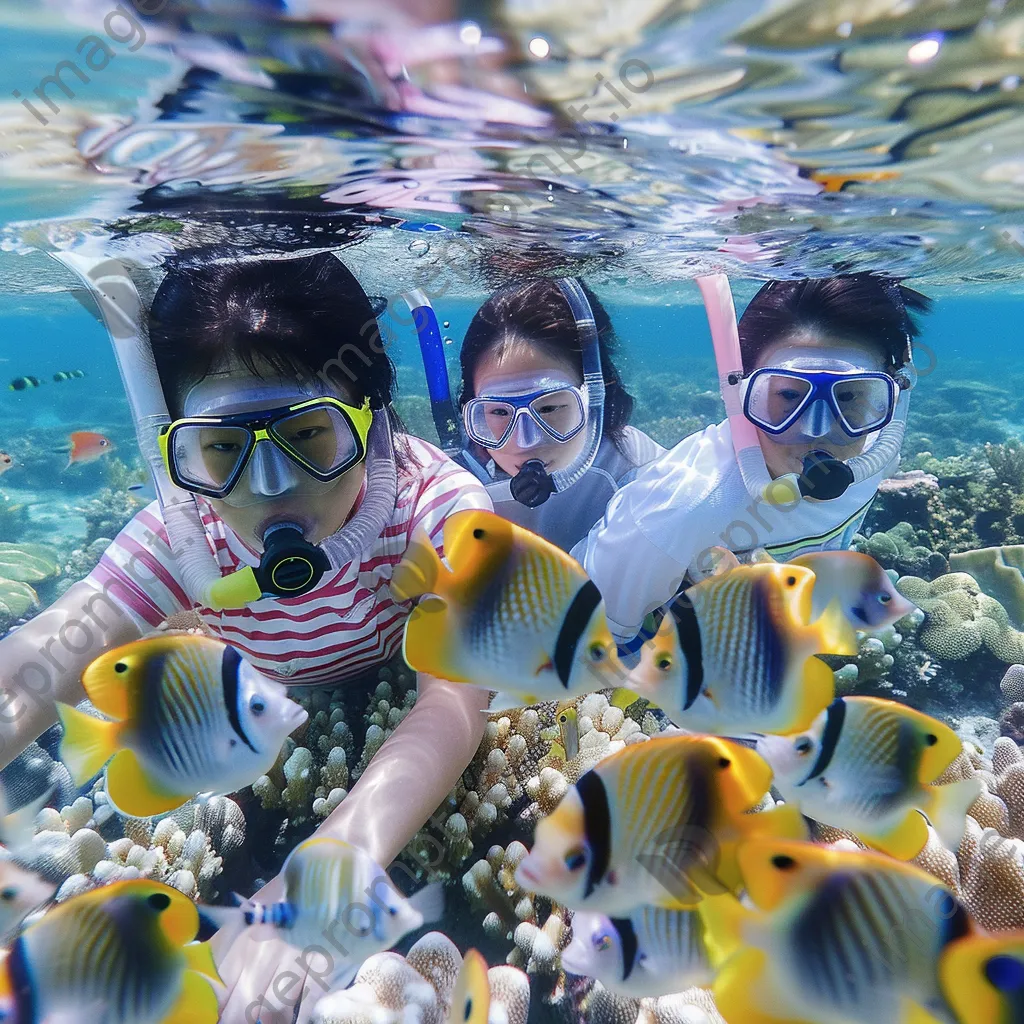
(449, 149)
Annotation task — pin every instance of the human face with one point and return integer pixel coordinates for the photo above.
(510, 374)
(272, 489)
(812, 349)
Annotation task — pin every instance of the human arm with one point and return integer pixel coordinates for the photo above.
(43, 661)
(404, 783)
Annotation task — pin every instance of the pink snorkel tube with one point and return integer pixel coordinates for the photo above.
(783, 491)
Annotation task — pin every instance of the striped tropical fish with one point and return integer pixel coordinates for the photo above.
(736, 654)
(191, 716)
(654, 951)
(837, 937)
(655, 822)
(982, 978)
(866, 765)
(514, 614)
(336, 897)
(120, 953)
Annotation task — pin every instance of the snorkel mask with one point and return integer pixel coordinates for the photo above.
(805, 399)
(265, 454)
(540, 410)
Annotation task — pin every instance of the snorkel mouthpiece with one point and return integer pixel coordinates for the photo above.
(290, 565)
(823, 476)
(532, 485)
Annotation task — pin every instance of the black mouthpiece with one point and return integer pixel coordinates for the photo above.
(290, 565)
(532, 486)
(824, 477)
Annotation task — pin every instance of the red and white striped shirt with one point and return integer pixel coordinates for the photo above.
(347, 624)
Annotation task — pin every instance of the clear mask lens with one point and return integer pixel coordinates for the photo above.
(864, 403)
(207, 457)
(560, 415)
(319, 438)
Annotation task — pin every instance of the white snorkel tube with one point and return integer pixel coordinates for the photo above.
(823, 477)
(290, 565)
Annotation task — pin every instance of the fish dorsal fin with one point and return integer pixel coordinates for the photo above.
(196, 1003)
(133, 793)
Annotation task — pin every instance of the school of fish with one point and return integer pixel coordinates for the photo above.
(686, 859)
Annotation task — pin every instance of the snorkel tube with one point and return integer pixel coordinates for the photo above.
(823, 477)
(442, 409)
(290, 565)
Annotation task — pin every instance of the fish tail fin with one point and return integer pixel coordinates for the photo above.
(429, 902)
(905, 840)
(420, 571)
(196, 1002)
(133, 792)
(88, 743)
(16, 827)
(199, 957)
(947, 809)
(834, 632)
(784, 821)
(724, 919)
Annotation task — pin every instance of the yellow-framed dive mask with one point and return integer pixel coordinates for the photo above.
(208, 454)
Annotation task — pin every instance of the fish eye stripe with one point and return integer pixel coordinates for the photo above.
(230, 666)
(835, 714)
(629, 942)
(597, 827)
(690, 644)
(22, 988)
(579, 613)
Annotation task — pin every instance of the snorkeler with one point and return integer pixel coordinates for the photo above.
(276, 478)
(816, 385)
(544, 414)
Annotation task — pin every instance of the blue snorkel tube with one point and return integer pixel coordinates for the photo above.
(447, 421)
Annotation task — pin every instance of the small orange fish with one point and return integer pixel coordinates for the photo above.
(6, 462)
(836, 182)
(88, 446)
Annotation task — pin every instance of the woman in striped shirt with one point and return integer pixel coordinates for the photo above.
(235, 340)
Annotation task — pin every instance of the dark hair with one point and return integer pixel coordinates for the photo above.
(537, 312)
(303, 317)
(868, 308)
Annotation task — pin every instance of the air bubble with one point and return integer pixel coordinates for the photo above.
(448, 341)
(446, 324)
(419, 247)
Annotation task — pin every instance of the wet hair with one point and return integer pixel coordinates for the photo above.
(868, 308)
(305, 317)
(537, 313)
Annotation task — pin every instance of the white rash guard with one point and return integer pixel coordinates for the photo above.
(659, 526)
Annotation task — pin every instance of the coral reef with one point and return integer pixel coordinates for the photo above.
(901, 548)
(106, 512)
(14, 518)
(392, 989)
(988, 870)
(20, 566)
(81, 562)
(1012, 684)
(1011, 722)
(694, 1006)
(998, 572)
(34, 772)
(187, 849)
(905, 496)
(961, 619)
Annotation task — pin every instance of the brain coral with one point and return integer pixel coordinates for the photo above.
(960, 619)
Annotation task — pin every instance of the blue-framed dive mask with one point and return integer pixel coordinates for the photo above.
(557, 412)
(798, 406)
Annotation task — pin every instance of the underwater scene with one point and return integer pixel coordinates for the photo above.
(511, 511)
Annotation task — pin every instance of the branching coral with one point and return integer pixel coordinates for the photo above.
(186, 849)
(391, 989)
(961, 620)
